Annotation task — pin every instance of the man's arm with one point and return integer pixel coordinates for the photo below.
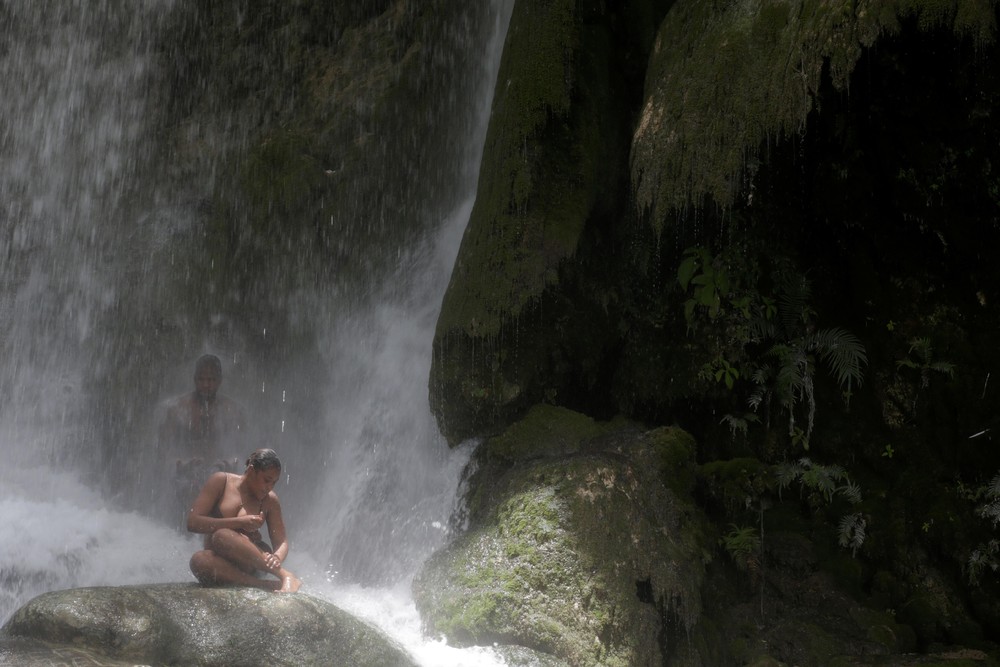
(173, 434)
(167, 431)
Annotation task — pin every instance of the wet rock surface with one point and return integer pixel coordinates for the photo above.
(186, 624)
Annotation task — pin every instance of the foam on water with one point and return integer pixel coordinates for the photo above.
(392, 610)
(60, 535)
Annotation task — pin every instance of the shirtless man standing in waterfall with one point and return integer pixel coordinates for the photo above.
(230, 510)
(201, 432)
(204, 428)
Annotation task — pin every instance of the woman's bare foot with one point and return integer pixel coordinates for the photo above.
(289, 583)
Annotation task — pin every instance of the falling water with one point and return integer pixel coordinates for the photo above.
(70, 123)
(70, 126)
(74, 122)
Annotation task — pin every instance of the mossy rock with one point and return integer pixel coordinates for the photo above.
(546, 430)
(722, 81)
(584, 556)
(510, 333)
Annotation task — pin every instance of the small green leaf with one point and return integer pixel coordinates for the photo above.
(686, 271)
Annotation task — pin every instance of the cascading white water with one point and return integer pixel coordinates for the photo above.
(71, 117)
(72, 122)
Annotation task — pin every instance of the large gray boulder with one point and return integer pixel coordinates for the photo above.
(186, 624)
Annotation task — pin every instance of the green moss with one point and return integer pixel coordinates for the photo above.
(278, 174)
(546, 430)
(545, 168)
(532, 96)
(522, 566)
(674, 450)
(881, 627)
(555, 565)
(723, 80)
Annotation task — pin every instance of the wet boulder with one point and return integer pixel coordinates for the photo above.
(579, 546)
(186, 624)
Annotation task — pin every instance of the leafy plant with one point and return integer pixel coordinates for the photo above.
(852, 531)
(788, 366)
(740, 423)
(722, 371)
(986, 555)
(743, 545)
(755, 483)
(991, 510)
(776, 342)
(828, 482)
(921, 358)
(709, 282)
(748, 485)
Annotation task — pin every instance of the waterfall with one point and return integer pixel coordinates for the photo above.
(70, 126)
(83, 230)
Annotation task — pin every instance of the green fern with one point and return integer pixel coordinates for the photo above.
(843, 352)
(982, 558)
(743, 546)
(794, 298)
(784, 373)
(828, 481)
(991, 509)
(852, 531)
(921, 358)
(739, 424)
(851, 492)
(790, 379)
(987, 555)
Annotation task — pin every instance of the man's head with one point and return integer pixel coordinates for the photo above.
(207, 376)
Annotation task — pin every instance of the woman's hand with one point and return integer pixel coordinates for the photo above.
(250, 522)
(272, 561)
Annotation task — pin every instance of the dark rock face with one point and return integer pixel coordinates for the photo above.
(553, 180)
(815, 134)
(186, 624)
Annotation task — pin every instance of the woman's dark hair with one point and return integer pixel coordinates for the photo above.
(264, 459)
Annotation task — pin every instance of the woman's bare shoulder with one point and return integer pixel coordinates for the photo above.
(219, 480)
(271, 500)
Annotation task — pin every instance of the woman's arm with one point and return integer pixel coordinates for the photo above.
(276, 527)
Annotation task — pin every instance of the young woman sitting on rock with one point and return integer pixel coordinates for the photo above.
(230, 510)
